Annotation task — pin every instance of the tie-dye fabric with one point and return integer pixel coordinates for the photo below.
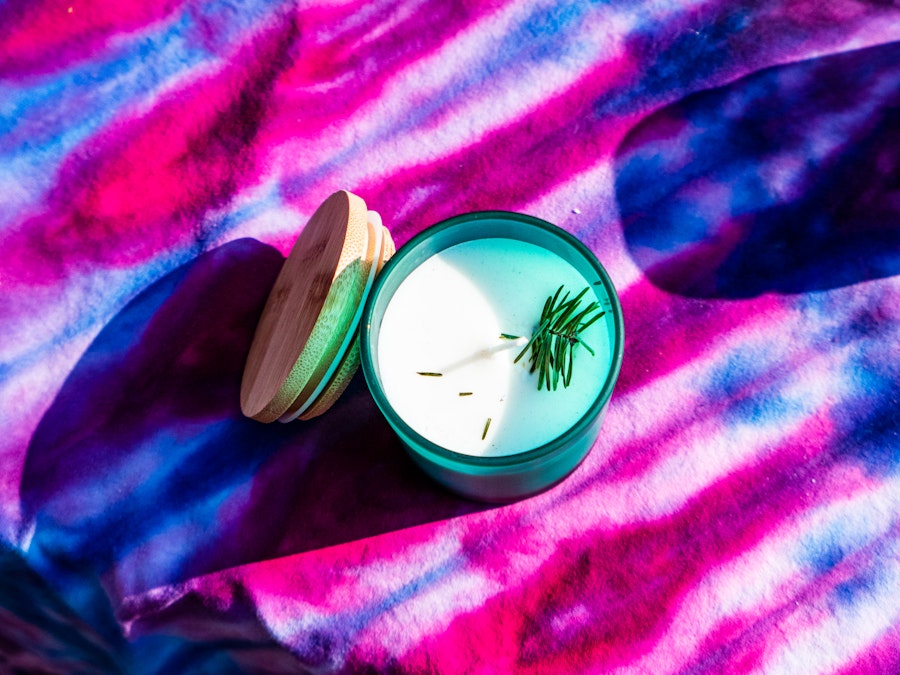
(735, 166)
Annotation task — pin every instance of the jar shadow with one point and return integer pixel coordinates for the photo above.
(145, 473)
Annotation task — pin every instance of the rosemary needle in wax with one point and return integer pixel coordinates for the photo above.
(427, 374)
(558, 332)
(487, 425)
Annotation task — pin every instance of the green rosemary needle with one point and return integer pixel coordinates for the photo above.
(557, 335)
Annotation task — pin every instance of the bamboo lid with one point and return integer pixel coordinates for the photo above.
(305, 350)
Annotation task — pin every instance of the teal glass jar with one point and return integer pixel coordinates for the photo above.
(522, 460)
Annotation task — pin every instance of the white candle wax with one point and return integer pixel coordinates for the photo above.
(447, 317)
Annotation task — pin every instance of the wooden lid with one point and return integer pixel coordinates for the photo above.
(300, 361)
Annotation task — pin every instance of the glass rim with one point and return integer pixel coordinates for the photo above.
(519, 458)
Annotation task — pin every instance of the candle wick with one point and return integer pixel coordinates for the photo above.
(486, 353)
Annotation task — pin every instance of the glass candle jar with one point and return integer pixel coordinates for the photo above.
(439, 337)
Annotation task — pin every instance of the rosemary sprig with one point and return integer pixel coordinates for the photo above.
(557, 335)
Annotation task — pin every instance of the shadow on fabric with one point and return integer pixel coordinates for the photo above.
(144, 473)
(40, 633)
(785, 181)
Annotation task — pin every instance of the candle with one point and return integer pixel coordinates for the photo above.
(441, 330)
(455, 316)
(447, 338)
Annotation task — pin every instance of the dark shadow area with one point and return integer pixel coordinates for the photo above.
(785, 181)
(143, 472)
(190, 636)
(39, 633)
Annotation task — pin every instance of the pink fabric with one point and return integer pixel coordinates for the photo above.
(733, 165)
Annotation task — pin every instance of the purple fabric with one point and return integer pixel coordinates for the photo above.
(735, 166)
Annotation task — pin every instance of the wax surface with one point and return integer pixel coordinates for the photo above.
(447, 317)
